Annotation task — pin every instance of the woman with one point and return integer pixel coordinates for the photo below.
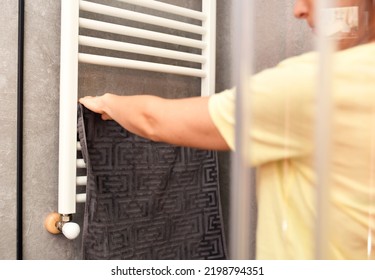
(281, 137)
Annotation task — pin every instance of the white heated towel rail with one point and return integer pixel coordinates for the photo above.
(71, 39)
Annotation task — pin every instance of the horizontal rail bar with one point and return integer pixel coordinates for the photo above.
(81, 163)
(168, 8)
(81, 198)
(81, 180)
(139, 49)
(79, 148)
(140, 65)
(140, 17)
(140, 33)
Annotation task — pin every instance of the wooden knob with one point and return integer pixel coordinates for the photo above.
(50, 223)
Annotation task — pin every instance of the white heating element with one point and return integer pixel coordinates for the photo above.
(72, 22)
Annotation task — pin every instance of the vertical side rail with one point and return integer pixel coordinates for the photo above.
(323, 118)
(242, 192)
(209, 52)
(68, 106)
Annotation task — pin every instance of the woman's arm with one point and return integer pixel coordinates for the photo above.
(183, 122)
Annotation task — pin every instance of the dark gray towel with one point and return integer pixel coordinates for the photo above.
(147, 200)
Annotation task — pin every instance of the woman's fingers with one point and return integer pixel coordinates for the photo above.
(92, 103)
(95, 104)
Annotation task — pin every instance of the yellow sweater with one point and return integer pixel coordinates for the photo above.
(282, 149)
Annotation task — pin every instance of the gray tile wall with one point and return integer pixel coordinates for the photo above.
(42, 46)
(8, 126)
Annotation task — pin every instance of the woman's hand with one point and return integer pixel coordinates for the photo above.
(97, 104)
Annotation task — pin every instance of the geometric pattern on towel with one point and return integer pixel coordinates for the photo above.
(147, 200)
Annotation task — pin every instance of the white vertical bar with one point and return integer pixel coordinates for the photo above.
(209, 53)
(322, 130)
(242, 192)
(68, 106)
